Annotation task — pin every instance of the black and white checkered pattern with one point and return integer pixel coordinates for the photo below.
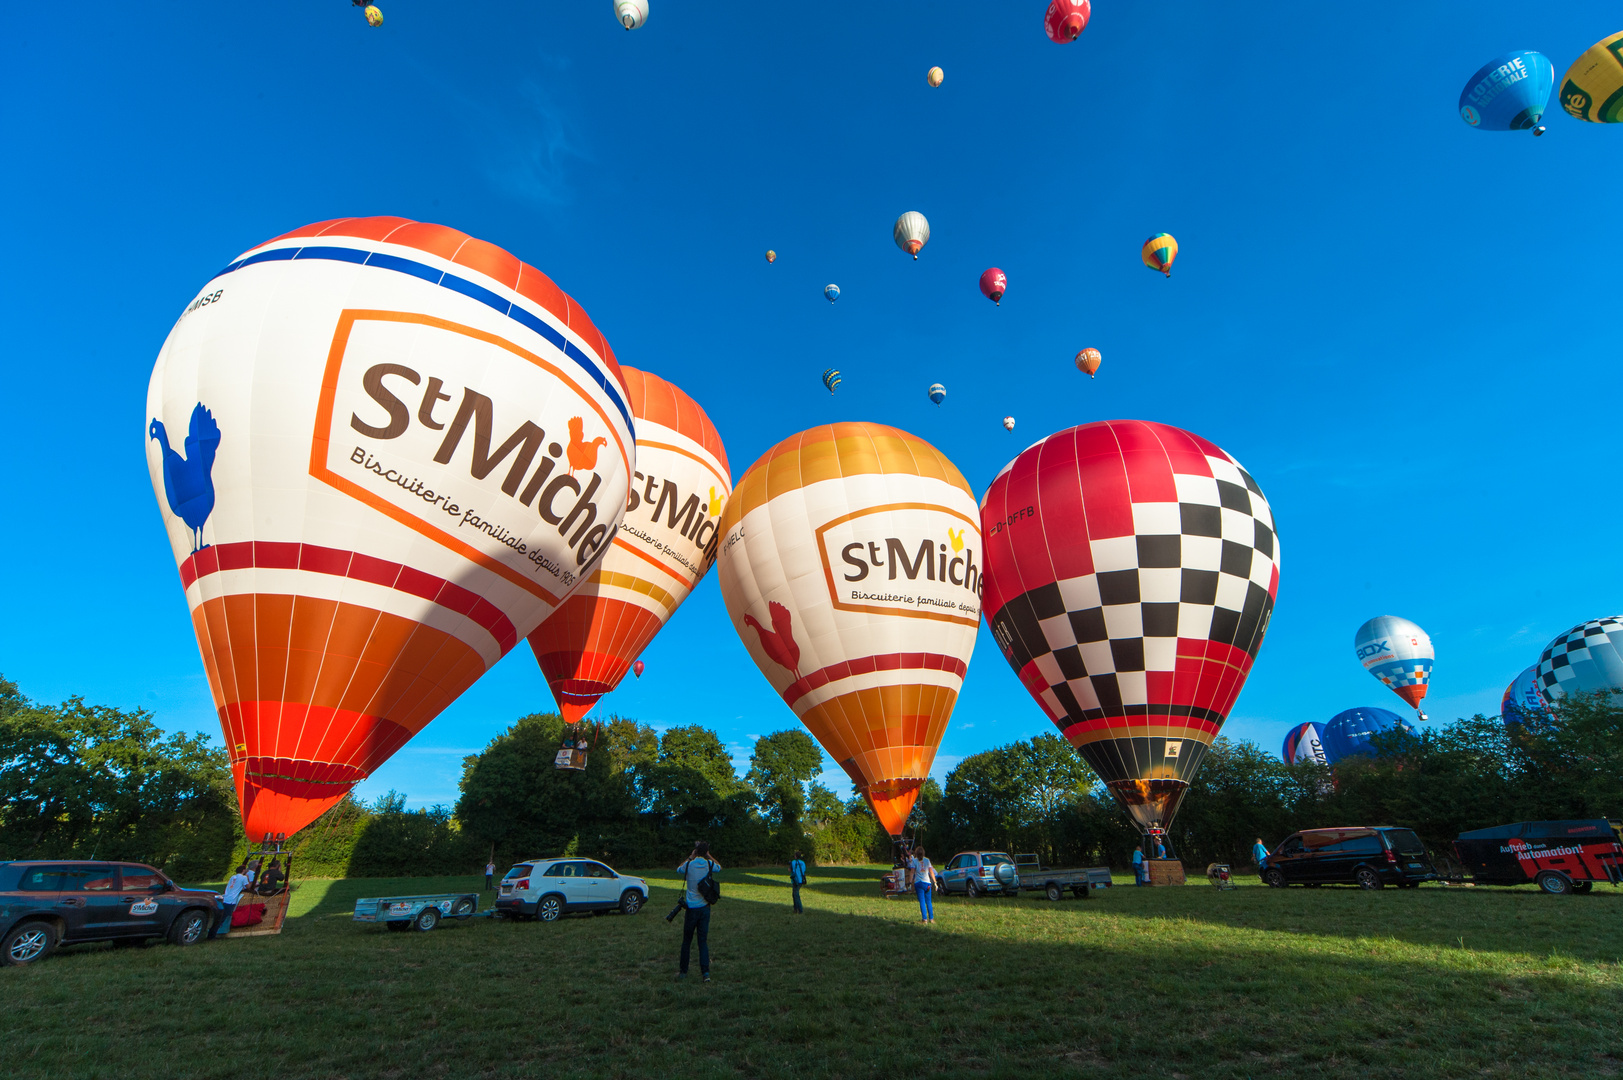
(1586, 659)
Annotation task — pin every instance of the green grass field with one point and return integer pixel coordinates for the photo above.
(1181, 982)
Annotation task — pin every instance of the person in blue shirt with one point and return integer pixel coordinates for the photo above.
(1160, 849)
(1259, 855)
(797, 878)
(695, 869)
(1140, 871)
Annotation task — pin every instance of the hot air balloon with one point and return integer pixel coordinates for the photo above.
(1509, 93)
(993, 285)
(1131, 569)
(1008, 423)
(384, 451)
(831, 379)
(664, 546)
(937, 392)
(1305, 742)
(1349, 734)
(1159, 251)
(1398, 653)
(832, 292)
(1088, 361)
(1524, 704)
(934, 76)
(912, 232)
(637, 669)
(1065, 20)
(771, 256)
(1592, 88)
(631, 13)
(850, 562)
(1588, 659)
(374, 16)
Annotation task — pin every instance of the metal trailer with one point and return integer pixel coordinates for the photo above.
(1054, 883)
(416, 912)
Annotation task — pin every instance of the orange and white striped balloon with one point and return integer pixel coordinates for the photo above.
(384, 452)
(664, 546)
(850, 563)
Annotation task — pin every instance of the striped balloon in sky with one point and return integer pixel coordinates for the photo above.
(850, 563)
(384, 451)
(1305, 742)
(663, 547)
(1398, 653)
(1159, 252)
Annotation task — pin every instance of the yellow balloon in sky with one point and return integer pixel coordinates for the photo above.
(934, 76)
(1592, 88)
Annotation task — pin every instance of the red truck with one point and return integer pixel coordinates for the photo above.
(1558, 856)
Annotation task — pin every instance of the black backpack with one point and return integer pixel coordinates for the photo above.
(709, 889)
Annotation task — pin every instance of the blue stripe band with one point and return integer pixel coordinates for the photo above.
(524, 317)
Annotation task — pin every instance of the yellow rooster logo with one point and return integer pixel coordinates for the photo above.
(957, 539)
(715, 503)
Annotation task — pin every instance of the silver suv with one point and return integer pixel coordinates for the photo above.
(548, 888)
(977, 873)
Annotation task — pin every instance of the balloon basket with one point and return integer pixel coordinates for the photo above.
(271, 907)
(1165, 871)
(897, 883)
(571, 754)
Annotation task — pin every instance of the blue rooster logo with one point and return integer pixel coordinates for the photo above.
(187, 482)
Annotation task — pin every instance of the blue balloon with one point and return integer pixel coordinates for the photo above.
(1305, 742)
(1349, 733)
(832, 292)
(1509, 93)
(1524, 703)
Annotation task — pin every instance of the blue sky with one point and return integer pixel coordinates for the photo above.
(1404, 328)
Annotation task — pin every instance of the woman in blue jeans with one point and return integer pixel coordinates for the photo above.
(923, 884)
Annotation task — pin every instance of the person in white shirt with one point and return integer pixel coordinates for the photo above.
(698, 866)
(923, 883)
(490, 872)
(233, 892)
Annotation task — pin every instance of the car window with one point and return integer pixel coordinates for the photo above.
(41, 879)
(993, 858)
(519, 871)
(1293, 846)
(1405, 842)
(88, 879)
(598, 870)
(957, 862)
(1363, 845)
(140, 879)
(559, 869)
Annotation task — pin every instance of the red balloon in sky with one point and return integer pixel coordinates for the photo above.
(636, 669)
(1066, 20)
(993, 284)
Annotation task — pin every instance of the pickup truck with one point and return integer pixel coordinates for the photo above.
(416, 912)
(1034, 877)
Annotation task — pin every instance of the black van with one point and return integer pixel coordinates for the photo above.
(46, 904)
(1559, 856)
(1367, 856)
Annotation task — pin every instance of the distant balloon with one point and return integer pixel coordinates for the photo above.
(1159, 251)
(1088, 361)
(1524, 704)
(993, 284)
(374, 17)
(934, 76)
(1509, 93)
(1398, 653)
(1588, 659)
(1303, 743)
(937, 392)
(912, 232)
(771, 256)
(631, 13)
(831, 379)
(832, 292)
(637, 669)
(1592, 88)
(1008, 423)
(1066, 19)
(1348, 734)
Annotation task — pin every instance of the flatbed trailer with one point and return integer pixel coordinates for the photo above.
(1054, 883)
(416, 912)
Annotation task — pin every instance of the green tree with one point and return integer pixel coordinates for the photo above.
(780, 767)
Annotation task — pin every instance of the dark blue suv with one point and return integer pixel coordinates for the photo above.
(46, 904)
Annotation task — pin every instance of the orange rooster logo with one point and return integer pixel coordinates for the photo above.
(582, 454)
(779, 642)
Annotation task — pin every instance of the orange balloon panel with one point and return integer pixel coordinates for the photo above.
(850, 562)
(384, 452)
(666, 542)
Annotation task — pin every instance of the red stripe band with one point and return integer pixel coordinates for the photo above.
(867, 664)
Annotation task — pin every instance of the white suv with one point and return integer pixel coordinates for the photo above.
(548, 888)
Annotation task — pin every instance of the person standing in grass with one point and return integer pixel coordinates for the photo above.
(923, 884)
(698, 867)
(797, 878)
(1140, 868)
(1259, 855)
(228, 902)
(490, 872)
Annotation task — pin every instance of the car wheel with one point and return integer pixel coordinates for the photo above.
(426, 919)
(630, 902)
(1367, 878)
(462, 908)
(1055, 892)
(971, 890)
(549, 909)
(189, 928)
(1273, 877)
(1582, 886)
(1554, 884)
(27, 943)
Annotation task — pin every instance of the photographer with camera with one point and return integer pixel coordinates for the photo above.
(698, 873)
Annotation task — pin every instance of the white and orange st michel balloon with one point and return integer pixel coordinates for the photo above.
(664, 546)
(384, 452)
(850, 563)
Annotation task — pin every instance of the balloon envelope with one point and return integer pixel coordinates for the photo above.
(1008, 423)
(1592, 88)
(1508, 93)
(937, 393)
(1305, 742)
(832, 292)
(911, 232)
(850, 563)
(935, 76)
(1065, 20)
(994, 283)
(1398, 653)
(664, 545)
(631, 13)
(831, 379)
(1088, 361)
(1349, 733)
(1159, 251)
(1524, 703)
(1131, 569)
(1588, 659)
(771, 256)
(384, 452)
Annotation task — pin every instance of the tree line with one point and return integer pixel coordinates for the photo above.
(78, 780)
